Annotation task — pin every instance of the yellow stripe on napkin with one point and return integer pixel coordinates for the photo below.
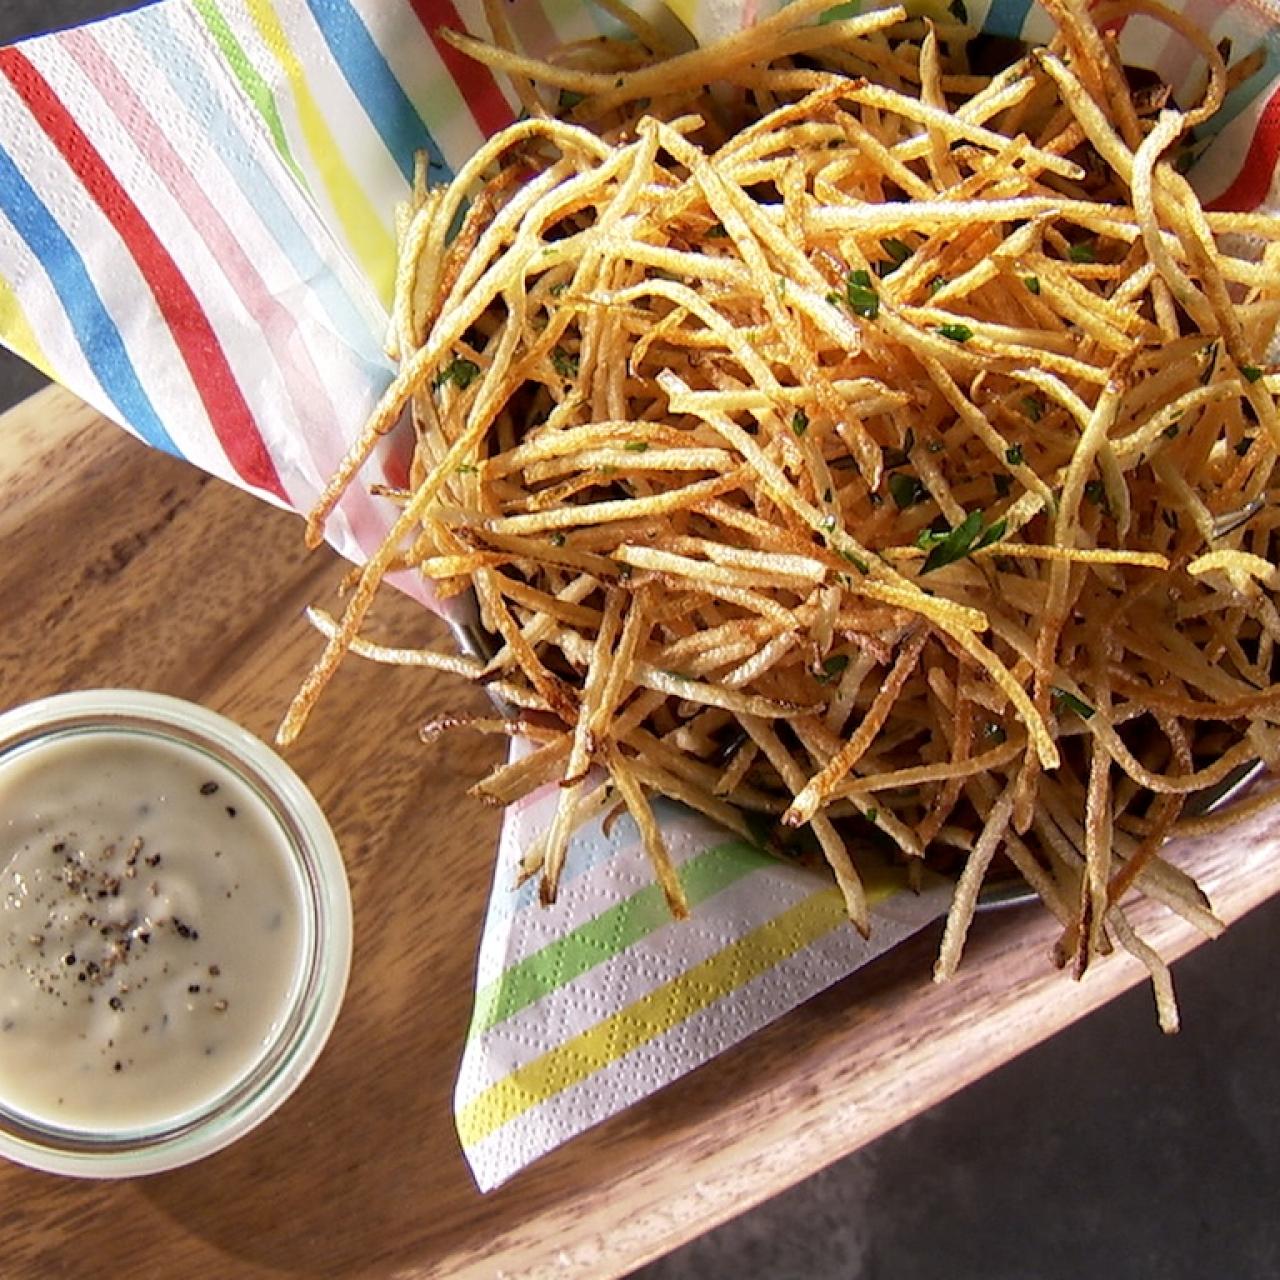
(365, 230)
(652, 1015)
(17, 332)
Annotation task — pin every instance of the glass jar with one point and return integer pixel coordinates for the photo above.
(320, 946)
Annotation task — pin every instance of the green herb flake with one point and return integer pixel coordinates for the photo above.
(459, 371)
(557, 290)
(1068, 699)
(862, 299)
(570, 99)
(1082, 252)
(966, 538)
(675, 675)
(894, 458)
(1210, 354)
(937, 283)
(557, 539)
(835, 299)
(1033, 408)
(897, 251)
(905, 490)
(563, 363)
(839, 12)
(636, 446)
(1033, 284)
(799, 422)
(828, 523)
(994, 733)
(857, 561)
(1171, 431)
(832, 668)
(1251, 372)
(930, 536)
(956, 332)
(1014, 456)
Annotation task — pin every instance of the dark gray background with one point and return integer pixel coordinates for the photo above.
(1109, 1153)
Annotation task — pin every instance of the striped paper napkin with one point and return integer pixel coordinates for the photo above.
(196, 205)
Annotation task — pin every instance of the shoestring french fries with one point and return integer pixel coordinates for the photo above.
(841, 433)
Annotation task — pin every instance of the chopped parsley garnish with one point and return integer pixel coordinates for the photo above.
(956, 332)
(861, 297)
(1210, 354)
(557, 539)
(1251, 372)
(636, 446)
(1082, 252)
(460, 371)
(1033, 408)
(563, 363)
(900, 457)
(905, 490)
(832, 668)
(1068, 699)
(837, 13)
(898, 254)
(1032, 283)
(799, 422)
(1014, 456)
(570, 99)
(963, 540)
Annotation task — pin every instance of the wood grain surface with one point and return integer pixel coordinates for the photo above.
(119, 566)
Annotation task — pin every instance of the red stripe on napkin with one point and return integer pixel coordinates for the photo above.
(197, 343)
(479, 89)
(1253, 182)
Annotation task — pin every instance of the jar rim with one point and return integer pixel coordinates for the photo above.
(324, 952)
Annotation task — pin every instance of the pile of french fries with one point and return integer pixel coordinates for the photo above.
(839, 434)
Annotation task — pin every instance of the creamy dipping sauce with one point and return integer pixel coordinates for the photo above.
(150, 930)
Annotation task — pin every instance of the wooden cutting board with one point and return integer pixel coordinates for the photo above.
(119, 566)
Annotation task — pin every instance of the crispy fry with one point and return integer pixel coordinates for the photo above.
(837, 435)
